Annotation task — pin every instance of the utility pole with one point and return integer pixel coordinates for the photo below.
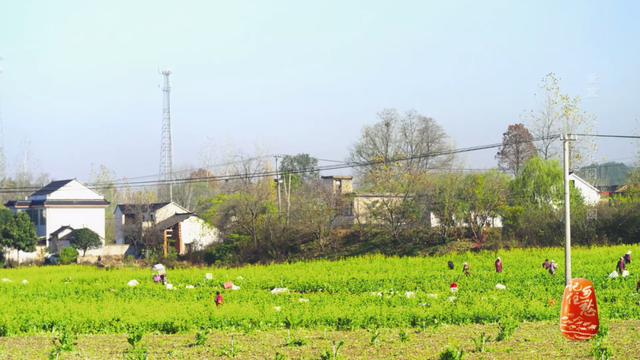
(289, 198)
(278, 182)
(566, 142)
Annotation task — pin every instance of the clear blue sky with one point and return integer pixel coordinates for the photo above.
(80, 77)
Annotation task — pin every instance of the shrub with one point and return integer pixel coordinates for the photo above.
(172, 254)
(68, 255)
(220, 253)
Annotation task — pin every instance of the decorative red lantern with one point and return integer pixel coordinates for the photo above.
(579, 314)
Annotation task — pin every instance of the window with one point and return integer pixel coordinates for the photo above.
(43, 217)
(33, 215)
(152, 217)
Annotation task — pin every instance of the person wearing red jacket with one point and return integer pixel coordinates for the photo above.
(627, 257)
(219, 300)
(545, 264)
(498, 265)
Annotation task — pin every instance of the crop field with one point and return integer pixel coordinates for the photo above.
(354, 295)
(357, 293)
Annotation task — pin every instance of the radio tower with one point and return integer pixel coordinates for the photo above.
(2, 162)
(166, 150)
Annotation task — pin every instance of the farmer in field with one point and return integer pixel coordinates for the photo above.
(553, 267)
(451, 265)
(465, 269)
(620, 266)
(162, 273)
(498, 265)
(219, 300)
(546, 264)
(627, 257)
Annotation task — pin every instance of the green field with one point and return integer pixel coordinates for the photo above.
(87, 300)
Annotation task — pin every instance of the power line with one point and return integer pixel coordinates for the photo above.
(261, 174)
(247, 176)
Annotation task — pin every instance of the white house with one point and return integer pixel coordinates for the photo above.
(589, 192)
(59, 208)
(187, 229)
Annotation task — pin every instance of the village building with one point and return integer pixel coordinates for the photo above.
(590, 193)
(60, 207)
(183, 229)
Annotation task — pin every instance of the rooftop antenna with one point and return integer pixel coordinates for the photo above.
(2, 160)
(166, 149)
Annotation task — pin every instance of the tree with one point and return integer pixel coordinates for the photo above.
(447, 203)
(85, 239)
(20, 234)
(302, 166)
(137, 214)
(516, 149)
(419, 140)
(607, 174)
(482, 195)
(200, 184)
(540, 182)
(243, 211)
(5, 216)
(558, 114)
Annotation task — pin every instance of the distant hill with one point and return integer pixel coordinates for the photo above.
(606, 174)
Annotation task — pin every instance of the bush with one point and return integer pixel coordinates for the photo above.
(172, 254)
(68, 255)
(220, 253)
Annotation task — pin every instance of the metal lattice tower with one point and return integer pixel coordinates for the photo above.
(2, 159)
(166, 149)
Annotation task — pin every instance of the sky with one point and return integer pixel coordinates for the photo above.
(80, 78)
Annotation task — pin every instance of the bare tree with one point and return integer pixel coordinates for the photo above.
(251, 195)
(139, 226)
(559, 113)
(419, 140)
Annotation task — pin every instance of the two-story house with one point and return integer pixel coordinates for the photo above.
(59, 208)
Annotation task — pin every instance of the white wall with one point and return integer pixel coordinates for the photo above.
(195, 229)
(590, 194)
(495, 221)
(77, 218)
(12, 254)
(118, 220)
(74, 191)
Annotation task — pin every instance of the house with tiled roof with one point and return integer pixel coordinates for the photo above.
(183, 228)
(60, 207)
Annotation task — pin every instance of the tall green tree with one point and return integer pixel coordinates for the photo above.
(20, 234)
(85, 239)
(482, 195)
(540, 182)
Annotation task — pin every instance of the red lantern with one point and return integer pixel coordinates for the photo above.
(579, 314)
